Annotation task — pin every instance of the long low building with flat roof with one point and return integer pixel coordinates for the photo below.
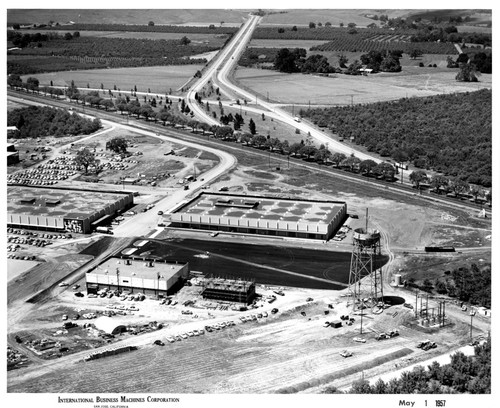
(63, 209)
(285, 217)
(144, 276)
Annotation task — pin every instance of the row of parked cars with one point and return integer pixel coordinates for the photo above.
(38, 235)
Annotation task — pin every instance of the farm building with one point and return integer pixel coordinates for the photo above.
(228, 290)
(137, 276)
(63, 209)
(312, 219)
(109, 325)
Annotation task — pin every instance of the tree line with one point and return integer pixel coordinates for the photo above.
(36, 121)
(463, 375)
(138, 28)
(451, 134)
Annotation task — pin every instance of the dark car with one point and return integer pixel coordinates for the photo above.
(274, 311)
(158, 343)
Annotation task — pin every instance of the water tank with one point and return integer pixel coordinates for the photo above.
(397, 279)
(366, 237)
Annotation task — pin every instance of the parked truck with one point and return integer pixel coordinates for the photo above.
(104, 230)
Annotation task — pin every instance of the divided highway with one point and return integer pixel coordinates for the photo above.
(223, 66)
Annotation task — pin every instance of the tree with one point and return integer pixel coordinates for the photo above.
(14, 81)
(385, 169)
(415, 53)
(467, 73)
(294, 28)
(185, 41)
(151, 23)
(117, 145)
(354, 68)
(286, 61)
(343, 60)
(85, 158)
(417, 177)
(458, 186)
(32, 84)
(439, 181)
(146, 111)
(352, 162)
(312, 25)
(367, 166)
(338, 158)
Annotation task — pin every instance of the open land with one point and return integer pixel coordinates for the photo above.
(344, 89)
(135, 16)
(158, 79)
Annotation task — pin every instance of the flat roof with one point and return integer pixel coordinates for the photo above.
(74, 204)
(235, 285)
(247, 206)
(138, 268)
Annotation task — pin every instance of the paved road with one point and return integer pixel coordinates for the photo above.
(229, 53)
(144, 223)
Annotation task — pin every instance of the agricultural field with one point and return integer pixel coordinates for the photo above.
(212, 40)
(128, 16)
(341, 89)
(283, 43)
(158, 79)
(335, 17)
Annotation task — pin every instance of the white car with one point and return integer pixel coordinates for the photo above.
(62, 284)
(359, 340)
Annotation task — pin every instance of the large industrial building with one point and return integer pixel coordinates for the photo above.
(63, 209)
(136, 275)
(312, 219)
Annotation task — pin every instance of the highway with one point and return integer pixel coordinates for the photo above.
(227, 55)
(223, 65)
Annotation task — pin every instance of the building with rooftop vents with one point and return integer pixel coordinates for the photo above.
(284, 217)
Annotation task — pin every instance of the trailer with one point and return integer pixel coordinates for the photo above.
(104, 230)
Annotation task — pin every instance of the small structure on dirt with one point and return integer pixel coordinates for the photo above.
(109, 325)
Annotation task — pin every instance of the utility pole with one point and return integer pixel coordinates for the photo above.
(416, 304)
(472, 313)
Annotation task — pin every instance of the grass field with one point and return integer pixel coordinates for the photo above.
(345, 89)
(158, 79)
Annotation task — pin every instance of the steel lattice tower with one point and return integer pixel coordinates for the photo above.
(365, 281)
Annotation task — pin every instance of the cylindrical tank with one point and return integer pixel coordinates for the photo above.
(366, 238)
(397, 279)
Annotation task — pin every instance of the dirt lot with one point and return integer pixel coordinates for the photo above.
(289, 351)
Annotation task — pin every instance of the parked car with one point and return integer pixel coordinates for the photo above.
(346, 353)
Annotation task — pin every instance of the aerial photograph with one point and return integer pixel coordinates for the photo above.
(248, 201)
